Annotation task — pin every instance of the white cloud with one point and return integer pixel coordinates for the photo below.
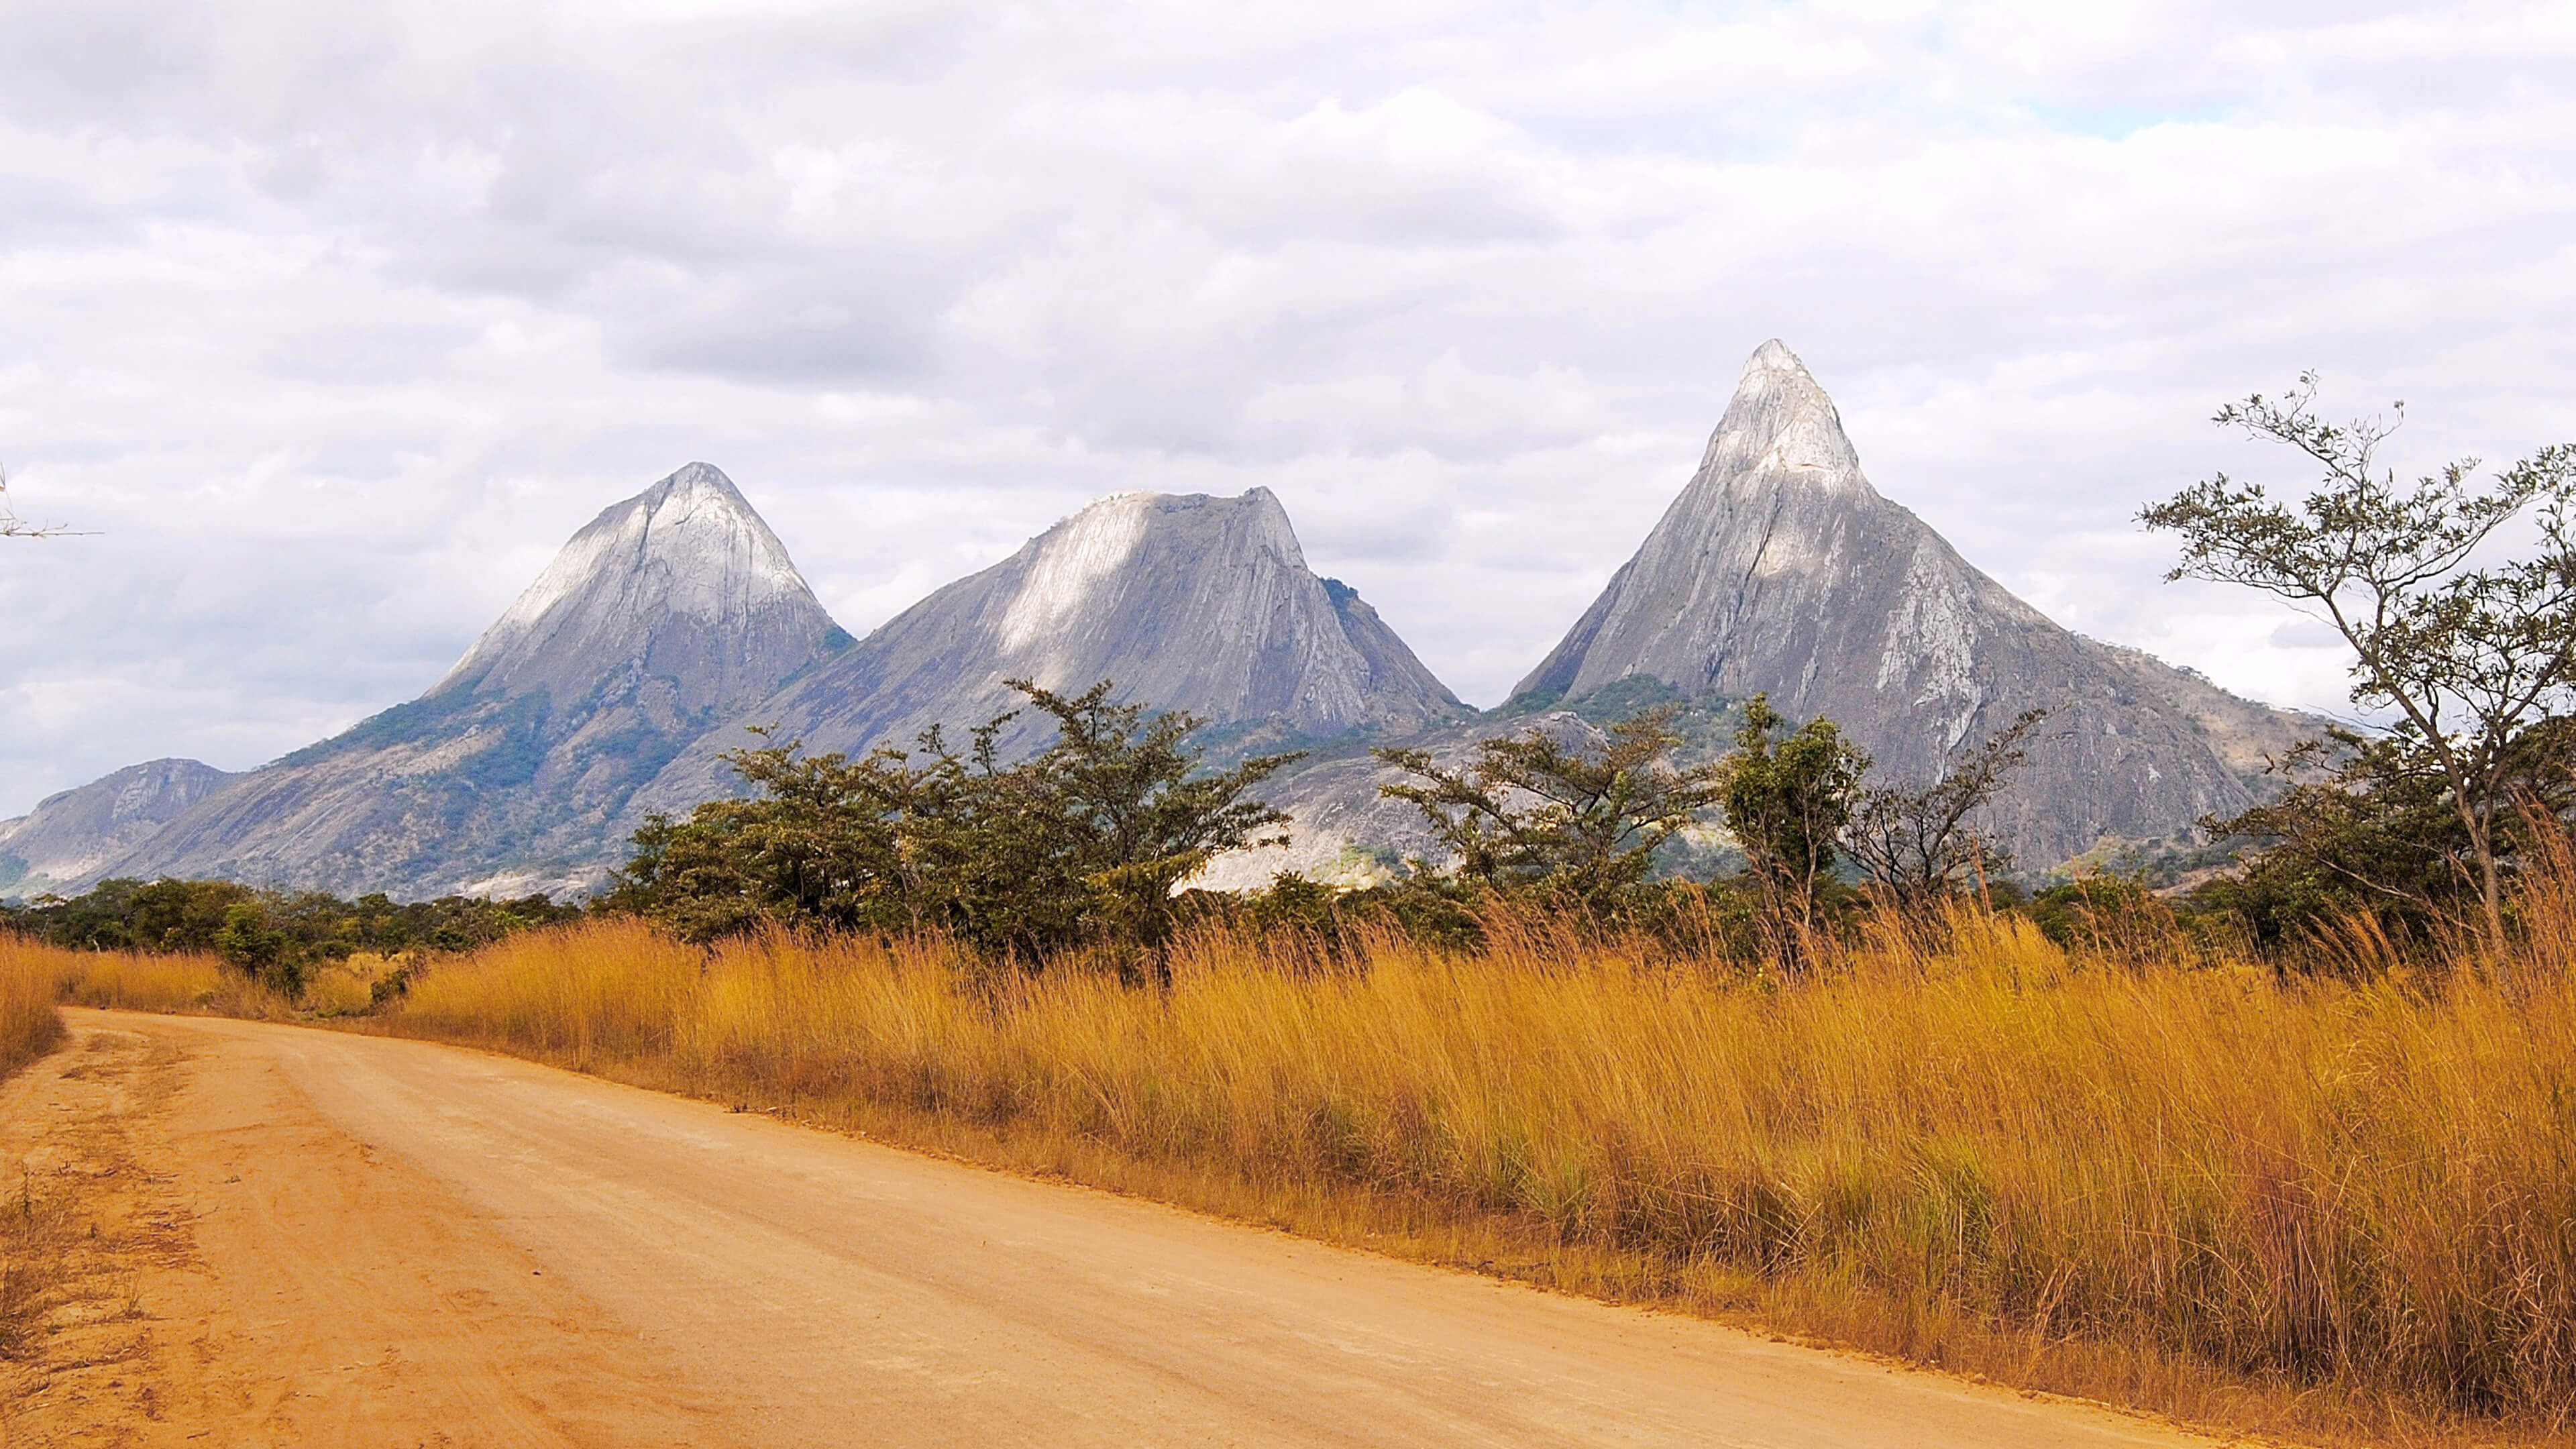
(334, 320)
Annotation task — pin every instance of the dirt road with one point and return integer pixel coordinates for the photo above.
(395, 1243)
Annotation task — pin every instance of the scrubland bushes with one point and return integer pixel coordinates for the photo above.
(280, 936)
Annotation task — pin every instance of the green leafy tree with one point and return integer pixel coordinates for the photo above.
(1121, 804)
(1789, 796)
(2470, 657)
(191, 915)
(1084, 841)
(259, 950)
(1582, 822)
(819, 846)
(2366, 822)
(134, 915)
(1920, 846)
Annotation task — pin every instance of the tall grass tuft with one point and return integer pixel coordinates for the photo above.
(30, 1025)
(2364, 1184)
(136, 981)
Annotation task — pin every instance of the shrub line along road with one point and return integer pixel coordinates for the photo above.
(401, 1243)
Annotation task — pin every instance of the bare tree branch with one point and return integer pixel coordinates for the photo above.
(12, 526)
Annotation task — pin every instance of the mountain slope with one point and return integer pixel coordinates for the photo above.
(70, 834)
(667, 612)
(1186, 602)
(1780, 570)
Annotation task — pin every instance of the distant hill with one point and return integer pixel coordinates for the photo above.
(69, 835)
(1781, 571)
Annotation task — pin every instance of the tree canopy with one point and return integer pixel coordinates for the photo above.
(1921, 845)
(1084, 841)
(2474, 658)
(1584, 822)
(1789, 796)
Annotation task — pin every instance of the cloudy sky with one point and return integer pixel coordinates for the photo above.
(330, 322)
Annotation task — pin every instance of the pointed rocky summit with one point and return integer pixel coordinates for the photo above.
(1184, 602)
(665, 614)
(1780, 570)
(682, 582)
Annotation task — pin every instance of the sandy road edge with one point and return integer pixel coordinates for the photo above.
(85, 1224)
(302, 1287)
(1434, 1251)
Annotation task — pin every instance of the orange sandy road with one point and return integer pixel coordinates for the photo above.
(406, 1243)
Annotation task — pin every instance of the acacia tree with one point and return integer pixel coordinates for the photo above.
(1120, 805)
(1919, 845)
(2470, 657)
(1584, 821)
(820, 844)
(1083, 841)
(1789, 798)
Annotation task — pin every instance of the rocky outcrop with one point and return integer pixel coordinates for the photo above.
(1184, 602)
(69, 836)
(1780, 570)
(668, 612)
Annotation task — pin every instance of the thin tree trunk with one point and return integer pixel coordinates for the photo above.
(2490, 886)
(2481, 833)
(2492, 890)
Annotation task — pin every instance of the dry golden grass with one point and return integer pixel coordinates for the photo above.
(126, 981)
(345, 988)
(30, 1026)
(37, 1237)
(2345, 1209)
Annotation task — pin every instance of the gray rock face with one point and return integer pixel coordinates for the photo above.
(1186, 602)
(71, 834)
(666, 613)
(683, 582)
(1780, 570)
